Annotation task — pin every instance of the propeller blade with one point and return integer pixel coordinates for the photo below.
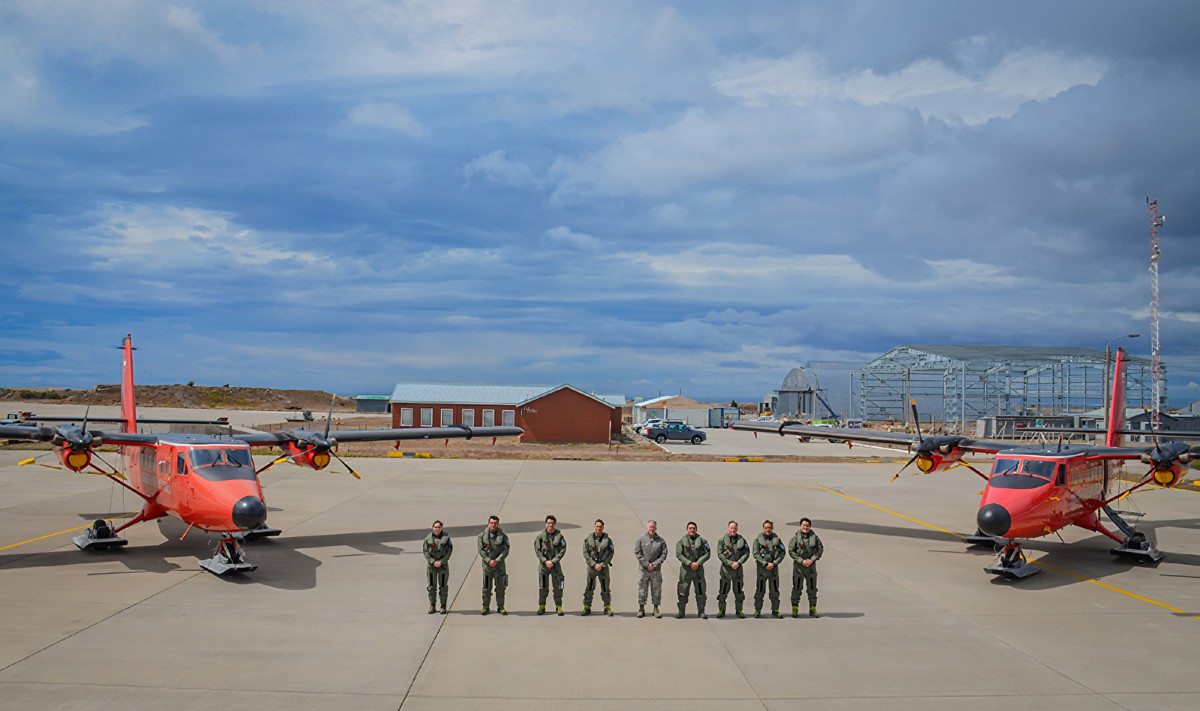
(916, 423)
(910, 461)
(273, 463)
(344, 464)
(329, 417)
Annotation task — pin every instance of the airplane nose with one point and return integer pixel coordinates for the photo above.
(249, 513)
(994, 520)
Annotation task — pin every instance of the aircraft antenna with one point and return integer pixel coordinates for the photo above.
(1156, 221)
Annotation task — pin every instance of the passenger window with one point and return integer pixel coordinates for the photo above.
(1061, 479)
(181, 465)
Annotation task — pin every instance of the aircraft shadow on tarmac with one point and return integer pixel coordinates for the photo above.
(281, 563)
(1089, 558)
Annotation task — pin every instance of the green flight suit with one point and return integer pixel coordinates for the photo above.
(597, 551)
(493, 546)
(550, 546)
(768, 550)
(729, 550)
(805, 546)
(438, 549)
(687, 551)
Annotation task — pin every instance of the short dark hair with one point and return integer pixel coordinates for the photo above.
(770, 522)
(599, 521)
(438, 523)
(691, 523)
(493, 518)
(731, 522)
(551, 518)
(803, 520)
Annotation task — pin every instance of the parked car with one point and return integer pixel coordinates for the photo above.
(664, 432)
(641, 427)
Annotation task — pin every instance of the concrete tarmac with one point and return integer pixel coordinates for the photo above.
(335, 615)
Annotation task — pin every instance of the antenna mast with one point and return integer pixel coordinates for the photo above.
(1156, 220)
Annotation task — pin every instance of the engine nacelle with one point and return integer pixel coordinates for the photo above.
(1168, 475)
(309, 457)
(936, 461)
(74, 459)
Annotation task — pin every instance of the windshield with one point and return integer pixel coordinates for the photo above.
(222, 464)
(1005, 465)
(1039, 467)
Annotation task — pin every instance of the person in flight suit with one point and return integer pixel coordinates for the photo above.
(733, 551)
(493, 549)
(768, 552)
(437, 549)
(692, 552)
(650, 550)
(550, 546)
(806, 549)
(597, 555)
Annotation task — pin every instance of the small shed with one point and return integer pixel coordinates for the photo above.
(673, 407)
(372, 403)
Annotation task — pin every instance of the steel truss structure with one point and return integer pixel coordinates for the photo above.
(960, 384)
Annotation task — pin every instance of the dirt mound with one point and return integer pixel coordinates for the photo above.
(199, 396)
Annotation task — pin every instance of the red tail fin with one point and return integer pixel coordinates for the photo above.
(1116, 406)
(128, 409)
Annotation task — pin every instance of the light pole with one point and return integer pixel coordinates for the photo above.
(1107, 360)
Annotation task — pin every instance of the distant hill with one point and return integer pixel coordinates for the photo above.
(198, 396)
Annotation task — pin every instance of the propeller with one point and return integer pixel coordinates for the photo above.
(920, 441)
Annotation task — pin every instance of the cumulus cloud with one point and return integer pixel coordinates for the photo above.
(562, 236)
(497, 168)
(926, 85)
(386, 116)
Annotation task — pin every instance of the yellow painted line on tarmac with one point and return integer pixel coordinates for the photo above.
(58, 533)
(908, 518)
(1093, 581)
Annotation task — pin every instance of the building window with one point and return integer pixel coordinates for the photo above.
(489, 418)
(447, 416)
(469, 417)
(509, 418)
(427, 417)
(406, 417)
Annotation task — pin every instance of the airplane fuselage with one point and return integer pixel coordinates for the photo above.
(1036, 492)
(205, 481)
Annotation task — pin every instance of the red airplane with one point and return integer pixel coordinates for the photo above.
(1035, 490)
(206, 481)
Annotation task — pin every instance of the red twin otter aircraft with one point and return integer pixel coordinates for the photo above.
(1035, 490)
(206, 481)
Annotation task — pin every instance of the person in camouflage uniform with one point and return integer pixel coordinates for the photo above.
(437, 548)
(493, 549)
(550, 547)
(768, 552)
(597, 555)
(692, 552)
(806, 549)
(733, 551)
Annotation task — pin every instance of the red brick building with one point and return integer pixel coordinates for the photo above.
(546, 413)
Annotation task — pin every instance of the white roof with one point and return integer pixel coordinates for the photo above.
(486, 394)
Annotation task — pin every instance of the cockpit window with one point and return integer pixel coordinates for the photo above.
(222, 464)
(1005, 465)
(1040, 468)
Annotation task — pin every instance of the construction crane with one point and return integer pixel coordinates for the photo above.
(1156, 221)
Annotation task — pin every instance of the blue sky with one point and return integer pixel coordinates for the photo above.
(628, 196)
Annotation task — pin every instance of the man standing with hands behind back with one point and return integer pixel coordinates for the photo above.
(768, 553)
(550, 547)
(493, 549)
(806, 549)
(651, 551)
(733, 551)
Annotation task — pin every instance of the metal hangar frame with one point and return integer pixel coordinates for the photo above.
(960, 384)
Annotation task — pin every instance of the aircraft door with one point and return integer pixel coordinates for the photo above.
(182, 484)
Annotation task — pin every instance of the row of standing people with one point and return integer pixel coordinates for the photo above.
(692, 551)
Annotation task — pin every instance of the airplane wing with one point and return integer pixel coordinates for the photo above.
(904, 439)
(31, 433)
(456, 431)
